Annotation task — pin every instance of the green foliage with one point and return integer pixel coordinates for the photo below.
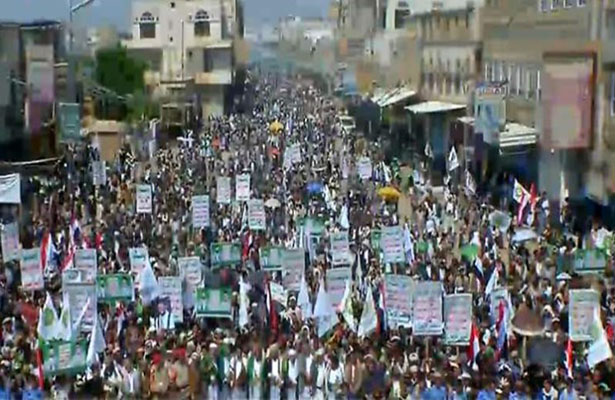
(117, 71)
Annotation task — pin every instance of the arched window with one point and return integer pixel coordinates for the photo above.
(201, 24)
(147, 26)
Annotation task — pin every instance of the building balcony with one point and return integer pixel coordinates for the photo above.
(208, 42)
(608, 51)
(217, 77)
(138, 43)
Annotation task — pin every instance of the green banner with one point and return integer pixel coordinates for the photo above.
(64, 358)
(70, 121)
(114, 287)
(225, 254)
(213, 303)
(375, 237)
(590, 261)
(271, 258)
(316, 226)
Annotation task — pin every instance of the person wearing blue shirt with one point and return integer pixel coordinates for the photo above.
(437, 391)
(568, 393)
(488, 393)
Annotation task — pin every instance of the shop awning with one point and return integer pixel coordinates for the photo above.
(396, 96)
(429, 107)
(515, 135)
(466, 120)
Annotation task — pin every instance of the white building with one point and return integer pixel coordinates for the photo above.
(188, 45)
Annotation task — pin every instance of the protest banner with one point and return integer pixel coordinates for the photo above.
(294, 153)
(144, 199)
(86, 262)
(364, 168)
(69, 121)
(590, 261)
(278, 293)
(71, 275)
(582, 309)
(78, 294)
(457, 319)
(200, 211)
(496, 297)
(99, 173)
(10, 189)
(392, 244)
(114, 287)
(375, 239)
(271, 258)
(31, 269)
(223, 190)
(139, 257)
(398, 297)
(213, 303)
(10, 242)
(427, 309)
(293, 268)
(340, 252)
(64, 358)
(191, 272)
(256, 215)
(336, 284)
(242, 187)
(171, 287)
(225, 254)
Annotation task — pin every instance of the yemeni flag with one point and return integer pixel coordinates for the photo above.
(273, 315)
(568, 359)
(502, 328)
(474, 347)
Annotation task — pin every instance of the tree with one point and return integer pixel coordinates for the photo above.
(117, 71)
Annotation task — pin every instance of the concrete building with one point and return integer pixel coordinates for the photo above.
(189, 48)
(102, 38)
(536, 46)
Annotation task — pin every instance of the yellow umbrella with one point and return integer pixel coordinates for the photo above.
(389, 193)
(276, 127)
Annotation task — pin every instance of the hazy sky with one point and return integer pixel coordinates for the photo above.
(116, 12)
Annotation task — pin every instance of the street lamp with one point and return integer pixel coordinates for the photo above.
(71, 67)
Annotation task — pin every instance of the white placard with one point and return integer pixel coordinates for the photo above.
(278, 293)
(364, 168)
(10, 189)
(242, 187)
(256, 215)
(336, 284)
(340, 252)
(293, 268)
(31, 270)
(200, 211)
(10, 242)
(139, 258)
(77, 294)
(191, 272)
(223, 190)
(99, 173)
(427, 309)
(398, 295)
(392, 244)
(86, 262)
(144, 199)
(171, 286)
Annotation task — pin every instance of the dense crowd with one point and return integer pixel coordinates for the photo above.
(284, 339)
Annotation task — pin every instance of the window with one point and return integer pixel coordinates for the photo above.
(582, 3)
(509, 75)
(446, 24)
(201, 24)
(569, 3)
(487, 70)
(522, 81)
(555, 4)
(502, 72)
(532, 83)
(147, 26)
(612, 95)
(208, 61)
(456, 20)
(457, 84)
(172, 4)
(494, 71)
(467, 20)
(514, 82)
(538, 88)
(610, 25)
(543, 5)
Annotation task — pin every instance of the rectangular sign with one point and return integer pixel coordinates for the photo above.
(340, 251)
(242, 187)
(144, 199)
(223, 190)
(392, 244)
(256, 215)
(10, 242)
(590, 261)
(336, 284)
(583, 303)
(375, 239)
(31, 269)
(278, 293)
(139, 257)
(293, 268)
(78, 295)
(10, 189)
(271, 258)
(191, 271)
(64, 358)
(225, 254)
(489, 115)
(457, 319)
(171, 287)
(86, 262)
(99, 173)
(427, 309)
(364, 168)
(70, 121)
(398, 296)
(213, 303)
(114, 287)
(200, 211)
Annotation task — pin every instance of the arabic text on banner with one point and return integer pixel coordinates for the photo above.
(336, 284)
(364, 168)
(242, 187)
(99, 173)
(86, 261)
(10, 242)
(213, 303)
(223, 190)
(294, 153)
(78, 294)
(191, 272)
(115, 287)
(293, 268)
(271, 258)
(225, 254)
(339, 248)
(200, 211)
(31, 270)
(171, 287)
(427, 309)
(457, 319)
(256, 215)
(139, 257)
(583, 303)
(392, 244)
(144, 199)
(64, 358)
(278, 293)
(10, 189)
(399, 291)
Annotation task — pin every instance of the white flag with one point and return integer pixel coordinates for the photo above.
(97, 343)
(148, 285)
(344, 217)
(81, 316)
(323, 311)
(470, 183)
(346, 308)
(519, 192)
(47, 320)
(428, 152)
(64, 330)
(599, 349)
(303, 300)
(369, 318)
(453, 161)
(243, 303)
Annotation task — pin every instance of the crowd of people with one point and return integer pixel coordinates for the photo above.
(304, 163)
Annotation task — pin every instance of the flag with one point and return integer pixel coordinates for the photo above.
(493, 281)
(47, 320)
(303, 300)
(382, 306)
(64, 330)
(74, 230)
(599, 349)
(81, 316)
(67, 262)
(533, 200)
(273, 315)
(568, 359)
(243, 302)
(408, 245)
(428, 151)
(48, 249)
(97, 343)
(369, 318)
(147, 284)
(470, 183)
(474, 347)
(346, 309)
(519, 192)
(344, 217)
(98, 241)
(323, 311)
(453, 161)
(502, 328)
(120, 315)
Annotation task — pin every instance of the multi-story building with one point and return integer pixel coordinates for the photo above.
(189, 48)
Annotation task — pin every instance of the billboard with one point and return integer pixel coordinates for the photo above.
(70, 121)
(490, 110)
(568, 100)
